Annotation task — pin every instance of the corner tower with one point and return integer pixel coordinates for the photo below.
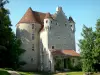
(72, 25)
(46, 56)
(27, 30)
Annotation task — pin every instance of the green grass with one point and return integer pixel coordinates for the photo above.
(26, 73)
(3, 72)
(75, 73)
(79, 73)
(34, 73)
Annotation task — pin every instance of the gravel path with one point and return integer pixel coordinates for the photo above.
(13, 73)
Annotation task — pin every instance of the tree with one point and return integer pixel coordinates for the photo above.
(9, 45)
(96, 50)
(87, 45)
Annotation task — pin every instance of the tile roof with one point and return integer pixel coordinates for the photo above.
(65, 52)
(28, 17)
(48, 15)
(34, 17)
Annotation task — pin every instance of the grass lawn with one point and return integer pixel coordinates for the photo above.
(3, 72)
(79, 73)
(75, 73)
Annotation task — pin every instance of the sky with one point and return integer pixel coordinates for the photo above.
(83, 11)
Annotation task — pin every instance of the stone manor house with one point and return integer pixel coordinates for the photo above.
(46, 37)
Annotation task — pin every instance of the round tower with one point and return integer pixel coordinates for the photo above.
(47, 21)
(27, 30)
(46, 58)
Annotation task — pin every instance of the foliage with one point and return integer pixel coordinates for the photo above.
(77, 66)
(86, 45)
(4, 72)
(90, 47)
(97, 42)
(9, 45)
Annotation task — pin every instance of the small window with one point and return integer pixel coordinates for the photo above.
(51, 21)
(32, 47)
(32, 36)
(73, 60)
(46, 21)
(50, 27)
(31, 59)
(56, 23)
(71, 25)
(65, 24)
(32, 26)
(58, 37)
(52, 47)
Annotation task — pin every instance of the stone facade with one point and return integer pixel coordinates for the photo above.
(42, 32)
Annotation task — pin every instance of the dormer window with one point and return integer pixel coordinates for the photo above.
(46, 21)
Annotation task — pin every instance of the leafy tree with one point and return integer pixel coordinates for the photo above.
(87, 45)
(97, 42)
(96, 50)
(9, 45)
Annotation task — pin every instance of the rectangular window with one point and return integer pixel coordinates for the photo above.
(31, 59)
(32, 47)
(52, 47)
(32, 36)
(32, 26)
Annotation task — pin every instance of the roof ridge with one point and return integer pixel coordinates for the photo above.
(28, 17)
(48, 15)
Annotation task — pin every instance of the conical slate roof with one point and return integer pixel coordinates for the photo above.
(71, 19)
(28, 17)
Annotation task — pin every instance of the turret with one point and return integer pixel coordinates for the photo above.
(72, 23)
(47, 20)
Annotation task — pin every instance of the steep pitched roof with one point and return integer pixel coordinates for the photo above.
(34, 17)
(71, 19)
(28, 17)
(48, 15)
